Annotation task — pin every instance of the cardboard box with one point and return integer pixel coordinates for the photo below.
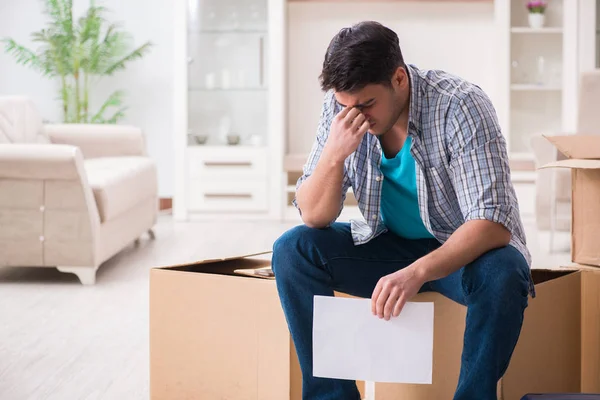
(218, 335)
(558, 350)
(215, 334)
(583, 158)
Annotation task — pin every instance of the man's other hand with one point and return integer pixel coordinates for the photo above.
(394, 290)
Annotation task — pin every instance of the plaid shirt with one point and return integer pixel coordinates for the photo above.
(461, 161)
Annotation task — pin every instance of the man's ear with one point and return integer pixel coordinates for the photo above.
(400, 78)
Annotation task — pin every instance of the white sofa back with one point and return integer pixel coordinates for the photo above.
(20, 121)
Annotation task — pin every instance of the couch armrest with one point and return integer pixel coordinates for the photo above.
(99, 140)
(40, 161)
(50, 206)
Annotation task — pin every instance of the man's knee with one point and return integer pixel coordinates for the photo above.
(502, 274)
(289, 246)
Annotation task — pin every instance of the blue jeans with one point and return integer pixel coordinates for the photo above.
(309, 262)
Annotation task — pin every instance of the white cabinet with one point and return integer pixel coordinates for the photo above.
(228, 90)
(538, 72)
(222, 179)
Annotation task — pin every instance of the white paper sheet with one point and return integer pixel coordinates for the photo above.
(349, 342)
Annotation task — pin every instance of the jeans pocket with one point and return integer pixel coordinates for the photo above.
(466, 283)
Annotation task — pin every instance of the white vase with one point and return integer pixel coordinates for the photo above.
(536, 20)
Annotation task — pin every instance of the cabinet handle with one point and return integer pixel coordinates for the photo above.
(262, 61)
(228, 164)
(228, 195)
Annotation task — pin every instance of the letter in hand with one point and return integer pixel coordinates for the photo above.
(346, 133)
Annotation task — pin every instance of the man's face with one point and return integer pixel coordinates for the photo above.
(380, 104)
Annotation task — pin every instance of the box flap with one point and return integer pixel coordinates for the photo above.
(580, 267)
(577, 146)
(229, 258)
(574, 164)
(262, 272)
(215, 260)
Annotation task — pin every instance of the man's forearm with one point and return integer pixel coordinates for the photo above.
(465, 245)
(319, 197)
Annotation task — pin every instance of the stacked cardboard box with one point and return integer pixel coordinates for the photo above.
(218, 334)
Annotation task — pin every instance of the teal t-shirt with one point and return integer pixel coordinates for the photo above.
(399, 202)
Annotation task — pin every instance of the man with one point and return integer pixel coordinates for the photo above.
(428, 164)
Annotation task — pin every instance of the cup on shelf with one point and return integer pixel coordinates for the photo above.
(195, 139)
(225, 79)
(233, 140)
(540, 77)
(210, 80)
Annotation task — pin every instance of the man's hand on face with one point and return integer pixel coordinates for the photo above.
(347, 130)
(393, 291)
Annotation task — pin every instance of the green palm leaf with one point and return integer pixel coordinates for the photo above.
(134, 55)
(24, 56)
(79, 54)
(114, 100)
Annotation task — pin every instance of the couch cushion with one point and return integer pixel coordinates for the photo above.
(120, 183)
(20, 121)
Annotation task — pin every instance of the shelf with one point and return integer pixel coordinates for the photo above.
(534, 88)
(228, 31)
(233, 89)
(525, 29)
(232, 147)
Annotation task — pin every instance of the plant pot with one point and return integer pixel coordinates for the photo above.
(536, 20)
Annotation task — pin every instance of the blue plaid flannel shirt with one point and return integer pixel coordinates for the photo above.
(461, 161)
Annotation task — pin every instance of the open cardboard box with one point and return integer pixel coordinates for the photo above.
(583, 158)
(217, 334)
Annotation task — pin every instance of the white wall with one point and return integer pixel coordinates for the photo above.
(457, 37)
(148, 82)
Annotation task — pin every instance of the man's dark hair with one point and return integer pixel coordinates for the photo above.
(366, 53)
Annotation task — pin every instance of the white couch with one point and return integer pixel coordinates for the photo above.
(71, 196)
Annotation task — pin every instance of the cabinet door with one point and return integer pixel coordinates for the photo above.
(227, 71)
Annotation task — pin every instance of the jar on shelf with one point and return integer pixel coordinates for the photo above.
(536, 20)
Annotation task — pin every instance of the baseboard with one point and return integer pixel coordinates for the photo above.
(165, 203)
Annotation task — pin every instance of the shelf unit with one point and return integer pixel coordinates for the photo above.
(228, 95)
(539, 86)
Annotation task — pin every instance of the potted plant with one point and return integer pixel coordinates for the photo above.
(79, 53)
(536, 13)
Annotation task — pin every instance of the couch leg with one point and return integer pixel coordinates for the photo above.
(151, 234)
(87, 275)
